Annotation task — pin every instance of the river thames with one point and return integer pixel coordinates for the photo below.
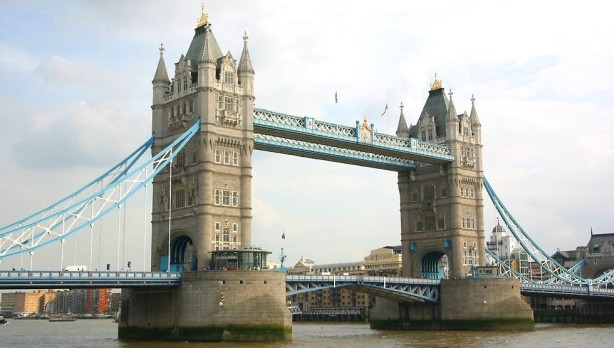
(103, 333)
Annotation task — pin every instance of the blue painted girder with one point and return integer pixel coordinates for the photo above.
(303, 135)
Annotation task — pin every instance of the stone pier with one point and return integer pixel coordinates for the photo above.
(466, 304)
(210, 306)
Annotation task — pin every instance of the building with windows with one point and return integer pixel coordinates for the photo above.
(79, 301)
(501, 243)
(384, 261)
(26, 303)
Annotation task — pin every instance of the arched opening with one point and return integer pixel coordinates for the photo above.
(434, 265)
(183, 255)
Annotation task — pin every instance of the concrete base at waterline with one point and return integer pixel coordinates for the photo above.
(466, 304)
(210, 306)
(484, 304)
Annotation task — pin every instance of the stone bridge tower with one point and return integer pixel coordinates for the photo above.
(208, 198)
(442, 228)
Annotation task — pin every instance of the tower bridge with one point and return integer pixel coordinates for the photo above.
(205, 129)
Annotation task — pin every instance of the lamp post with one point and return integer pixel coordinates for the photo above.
(282, 257)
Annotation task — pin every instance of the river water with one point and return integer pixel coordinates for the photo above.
(101, 333)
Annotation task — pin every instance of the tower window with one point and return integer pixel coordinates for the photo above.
(429, 223)
(235, 198)
(180, 159)
(235, 158)
(441, 223)
(216, 197)
(218, 156)
(226, 197)
(194, 156)
(414, 196)
(429, 192)
(179, 199)
(229, 76)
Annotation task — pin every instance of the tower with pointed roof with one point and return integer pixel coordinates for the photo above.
(209, 193)
(442, 205)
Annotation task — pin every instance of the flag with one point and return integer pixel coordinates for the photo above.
(385, 109)
(335, 97)
(283, 236)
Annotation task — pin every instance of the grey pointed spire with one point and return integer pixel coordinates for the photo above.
(206, 54)
(245, 63)
(474, 114)
(451, 109)
(402, 129)
(161, 74)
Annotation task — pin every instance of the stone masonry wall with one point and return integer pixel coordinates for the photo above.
(210, 306)
(484, 304)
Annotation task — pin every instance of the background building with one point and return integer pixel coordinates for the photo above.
(501, 243)
(43, 303)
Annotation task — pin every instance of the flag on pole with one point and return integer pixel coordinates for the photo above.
(385, 109)
(283, 235)
(335, 97)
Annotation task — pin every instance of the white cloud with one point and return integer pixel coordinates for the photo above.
(15, 60)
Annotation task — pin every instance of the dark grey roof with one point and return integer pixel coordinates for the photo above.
(436, 106)
(499, 228)
(196, 46)
(598, 239)
(566, 254)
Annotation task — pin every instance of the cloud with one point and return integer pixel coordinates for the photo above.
(78, 138)
(15, 60)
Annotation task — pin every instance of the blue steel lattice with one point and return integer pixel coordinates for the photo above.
(330, 153)
(338, 137)
(552, 271)
(86, 206)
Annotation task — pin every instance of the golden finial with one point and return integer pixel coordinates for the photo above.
(436, 83)
(204, 19)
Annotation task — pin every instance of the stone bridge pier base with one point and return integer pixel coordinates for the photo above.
(465, 304)
(209, 306)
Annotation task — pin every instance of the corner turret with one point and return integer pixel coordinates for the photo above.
(160, 81)
(402, 129)
(452, 120)
(475, 122)
(161, 85)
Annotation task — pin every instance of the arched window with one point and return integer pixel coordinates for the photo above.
(429, 192)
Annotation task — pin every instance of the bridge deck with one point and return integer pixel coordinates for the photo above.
(86, 279)
(398, 288)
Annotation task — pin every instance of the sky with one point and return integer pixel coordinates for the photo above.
(75, 97)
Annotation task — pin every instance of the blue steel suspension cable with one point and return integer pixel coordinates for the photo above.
(159, 161)
(134, 156)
